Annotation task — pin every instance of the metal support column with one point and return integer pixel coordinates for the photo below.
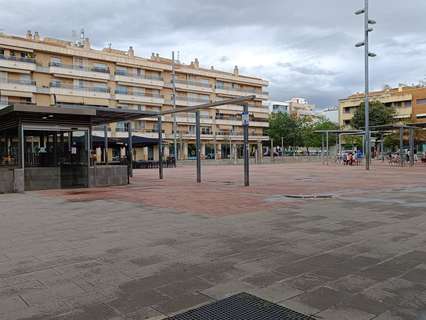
(367, 87)
(326, 146)
(21, 151)
(382, 147)
(130, 150)
(106, 144)
(322, 148)
(401, 146)
(411, 130)
(246, 146)
(198, 144)
(160, 147)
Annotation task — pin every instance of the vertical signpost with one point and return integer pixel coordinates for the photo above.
(198, 144)
(160, 147)
(245, 119)
(130, 149)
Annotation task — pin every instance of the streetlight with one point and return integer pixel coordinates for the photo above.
(367, 54)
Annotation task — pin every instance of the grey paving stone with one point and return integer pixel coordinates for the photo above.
(344, 314)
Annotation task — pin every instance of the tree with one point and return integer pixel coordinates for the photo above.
(379, 114)
(299, 131)
(313, 138)
(283, 126)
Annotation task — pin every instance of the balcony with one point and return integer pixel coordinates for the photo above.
(239, 135)
(190, 101)
(242, 92)
(193, 85)
(18, 85)
(140, 97)
(149, 80)
(17, 63)
(89, 92)
(73, 70)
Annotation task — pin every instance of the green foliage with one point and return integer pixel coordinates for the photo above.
(379, 114)
(298, 131)
(391, 141)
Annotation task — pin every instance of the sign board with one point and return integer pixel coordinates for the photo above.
(245, 117)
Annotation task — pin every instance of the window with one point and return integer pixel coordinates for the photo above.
(55, 83)
(2, 51)
(100, 87)
(122, 126)
(140, 72)
(55, 61)
(121, 71)
(3, 100)
(122, 90)
(78, 83)
(421, 101)
(3, 76)
(100, 67)
(220, 84)
(206, 130)
(138, 91)
(25, 78)
(397, 104)
(78, 62)
(407, 104)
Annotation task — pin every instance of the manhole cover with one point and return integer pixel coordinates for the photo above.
(242, 306)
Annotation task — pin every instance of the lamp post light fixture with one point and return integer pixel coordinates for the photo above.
(367, 55)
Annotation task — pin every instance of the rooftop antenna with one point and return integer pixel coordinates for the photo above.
(178, 57)
(82, 35)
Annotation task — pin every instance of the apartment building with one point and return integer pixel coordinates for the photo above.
(47, 71)
(409, 103)
(296, 106)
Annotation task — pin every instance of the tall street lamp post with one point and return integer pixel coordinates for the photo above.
(367, 55)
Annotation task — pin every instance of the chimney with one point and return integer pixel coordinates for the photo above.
(131, 52)
(196, 63)
(236, 72)
(212, 68)
(86, 43)
(153, 56)
(157, 57)
(36, 36)
(29, 35)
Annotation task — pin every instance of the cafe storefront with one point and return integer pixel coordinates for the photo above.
(50, 147)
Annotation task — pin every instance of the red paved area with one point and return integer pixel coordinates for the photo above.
(221, 191)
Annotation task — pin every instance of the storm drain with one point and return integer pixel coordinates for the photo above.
(242, 306)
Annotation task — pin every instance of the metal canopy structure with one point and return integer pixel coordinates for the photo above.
(69, 113)
(236, 101)
(74, 115)
(326, 133)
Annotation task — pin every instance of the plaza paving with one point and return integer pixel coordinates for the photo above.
(334, 242)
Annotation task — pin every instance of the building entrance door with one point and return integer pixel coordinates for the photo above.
(75, 161)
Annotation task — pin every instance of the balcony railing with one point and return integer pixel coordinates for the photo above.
(139, 94)
(138, 76)
(80, 88)
(21, 82)
(246, 90)
(192, 83)
(79, 67)
(14, 58)
(192, 99)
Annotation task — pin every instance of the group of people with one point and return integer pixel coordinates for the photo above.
(350, 158)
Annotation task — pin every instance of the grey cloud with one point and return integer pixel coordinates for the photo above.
(304, 47)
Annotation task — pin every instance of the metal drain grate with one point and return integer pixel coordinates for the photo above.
(242, 306)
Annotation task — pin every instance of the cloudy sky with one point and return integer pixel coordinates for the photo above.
(303, 47)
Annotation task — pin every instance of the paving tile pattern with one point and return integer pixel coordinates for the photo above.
(157, 248)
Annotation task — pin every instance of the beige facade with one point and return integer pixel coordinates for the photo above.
(46, 71)
(409, 103)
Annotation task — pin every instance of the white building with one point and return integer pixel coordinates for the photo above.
(298, 106)
(278, 106)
